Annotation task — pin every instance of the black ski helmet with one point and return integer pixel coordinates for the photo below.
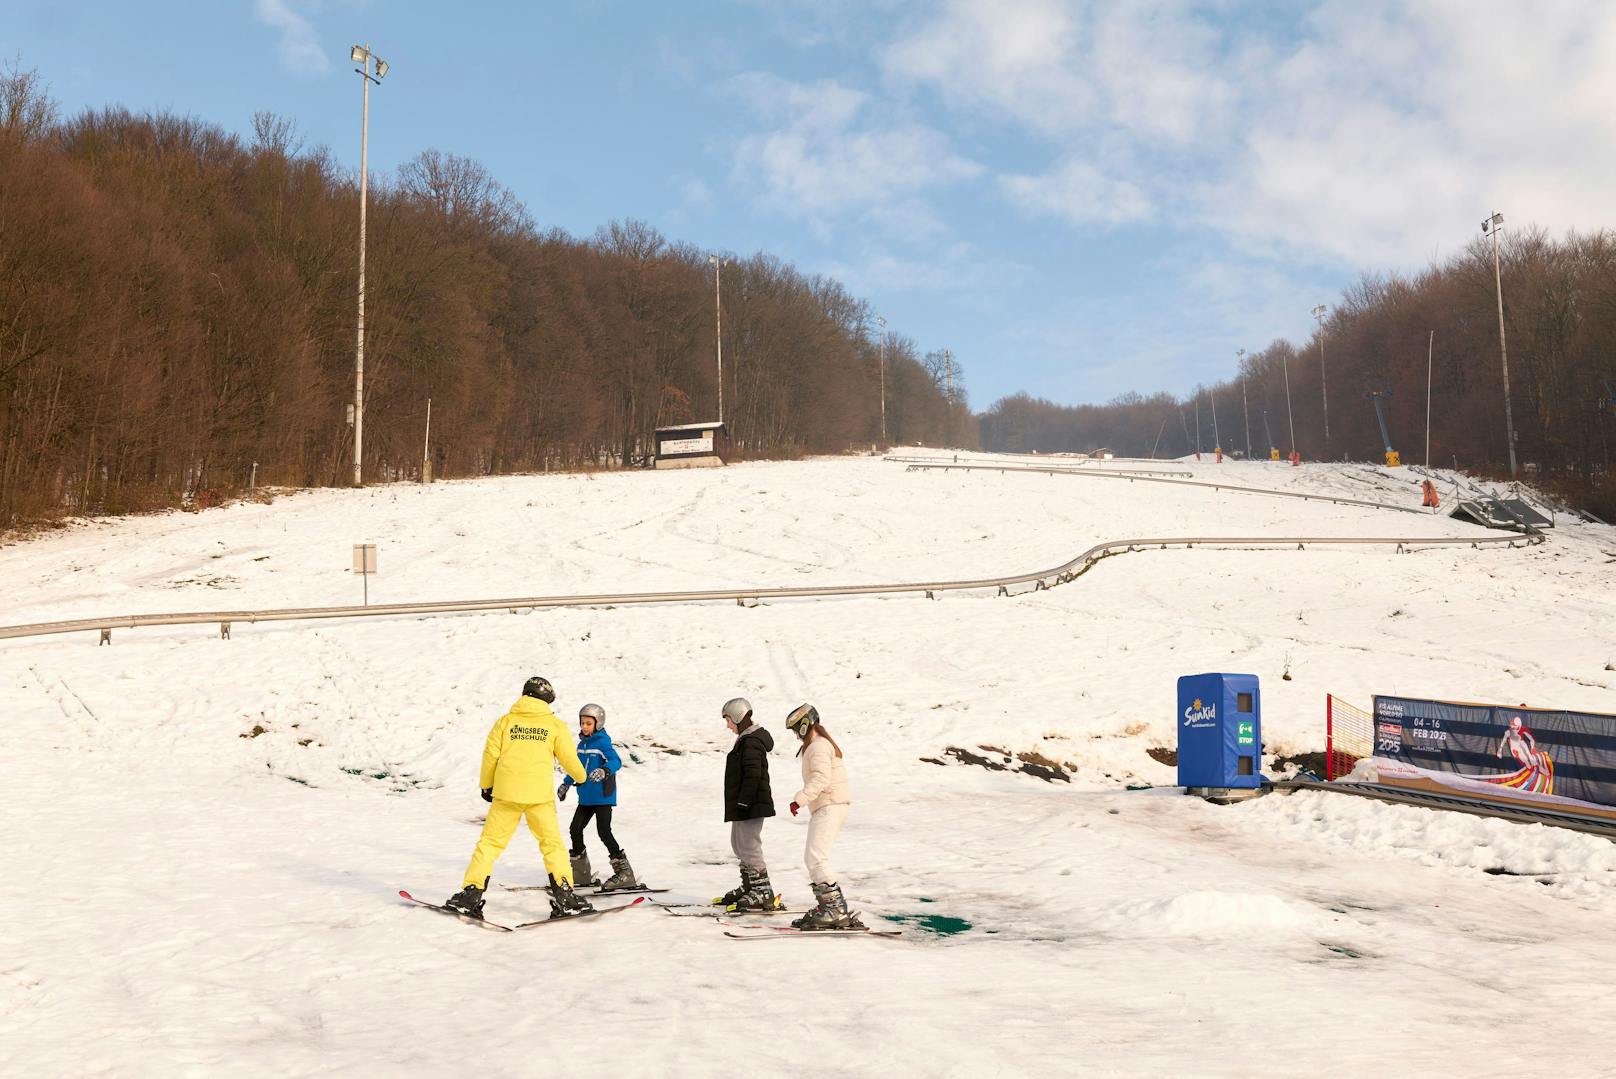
(802, 719)
(540, 687)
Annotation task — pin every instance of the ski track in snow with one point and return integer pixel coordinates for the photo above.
(223, 901)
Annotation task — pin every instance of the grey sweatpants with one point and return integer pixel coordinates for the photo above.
(746, 840)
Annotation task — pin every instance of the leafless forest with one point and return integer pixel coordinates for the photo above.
(177, 320)
(177, 313)
(1559, 323)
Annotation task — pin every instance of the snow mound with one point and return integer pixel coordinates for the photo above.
(1215, 914)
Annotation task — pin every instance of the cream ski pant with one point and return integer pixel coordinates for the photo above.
(823, 827)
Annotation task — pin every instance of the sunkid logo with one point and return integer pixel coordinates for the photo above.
(1199, 712)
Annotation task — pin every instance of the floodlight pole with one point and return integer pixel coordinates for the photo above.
(1491, 227)
(1245, 405)
(1324, 387)
(1430, 346)
(718, 333)
(882, 320)
(1285, 363)
(362, 53)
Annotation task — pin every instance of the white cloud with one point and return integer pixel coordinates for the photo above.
(1078, 192)
(1369, 132)
(300, 49)
(827, 157)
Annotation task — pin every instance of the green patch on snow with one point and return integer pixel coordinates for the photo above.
(943, 925)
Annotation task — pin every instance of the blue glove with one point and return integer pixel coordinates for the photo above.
(561, 791)
(597, 775)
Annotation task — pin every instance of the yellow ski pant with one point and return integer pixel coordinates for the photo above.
(497, 830)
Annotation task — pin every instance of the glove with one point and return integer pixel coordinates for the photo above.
(597, 775)
(794, 808)
(561, 791)
(488, 794)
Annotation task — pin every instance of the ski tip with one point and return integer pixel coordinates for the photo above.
(405, 895)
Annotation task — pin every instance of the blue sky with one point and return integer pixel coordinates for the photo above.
(1077, 198)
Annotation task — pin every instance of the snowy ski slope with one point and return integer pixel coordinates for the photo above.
(205, 837)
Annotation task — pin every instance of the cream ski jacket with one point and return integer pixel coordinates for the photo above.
(824, 777)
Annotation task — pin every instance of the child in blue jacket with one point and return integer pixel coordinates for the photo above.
(597, 796)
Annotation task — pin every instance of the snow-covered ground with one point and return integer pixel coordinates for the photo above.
(204, 837)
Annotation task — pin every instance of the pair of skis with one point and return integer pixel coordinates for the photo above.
(486, 924)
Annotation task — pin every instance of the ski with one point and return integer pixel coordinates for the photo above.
(587, 890)
(484, 922)
(596, 913)
(761, 932)
(720, 912)
(777, 932)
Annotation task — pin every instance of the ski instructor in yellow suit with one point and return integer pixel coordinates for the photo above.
(517, 779)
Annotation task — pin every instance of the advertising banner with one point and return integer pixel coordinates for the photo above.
(1528, 754)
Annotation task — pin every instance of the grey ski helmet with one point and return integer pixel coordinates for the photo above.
(540, 687)
(594, 712)
(737, 710)
(803, 718)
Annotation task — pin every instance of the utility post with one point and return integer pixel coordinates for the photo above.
(1324, 388)
(882, 319)
(361, 54)
(1245, 405)
(1491, 227)
(718, 319)
(948, 419)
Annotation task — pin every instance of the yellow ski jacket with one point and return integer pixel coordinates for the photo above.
(519, 757)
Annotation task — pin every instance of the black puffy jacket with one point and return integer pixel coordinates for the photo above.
(746, 777)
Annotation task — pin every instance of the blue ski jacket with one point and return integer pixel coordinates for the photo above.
(597, 751)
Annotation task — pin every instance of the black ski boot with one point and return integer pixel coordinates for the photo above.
(583, 874)
(564, 902)
(622, 874)
(758, 895)
(830, 913)
(468, 901)
(734, 894)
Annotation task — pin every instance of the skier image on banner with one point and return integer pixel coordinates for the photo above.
(827, 796)
(748, 803)
(519, 759)
(1537, 769)
(597, 797)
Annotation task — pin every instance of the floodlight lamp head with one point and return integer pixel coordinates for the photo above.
(381, 68)
(358, 54)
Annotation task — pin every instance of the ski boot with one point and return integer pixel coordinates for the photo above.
(734, 894)
(758, 895)
(830, 912)
(468, 901)
(622, 874)
(564, 902)
(583, 874)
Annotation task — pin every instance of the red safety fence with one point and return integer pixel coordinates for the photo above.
(1349, 736)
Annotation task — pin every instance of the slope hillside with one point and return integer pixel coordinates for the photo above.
(217, 827)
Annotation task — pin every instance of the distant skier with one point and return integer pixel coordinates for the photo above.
(748, 802)
(596, 798)
(519, 761)
(827, 796)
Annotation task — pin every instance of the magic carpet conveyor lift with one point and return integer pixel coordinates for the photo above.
(1393, 458)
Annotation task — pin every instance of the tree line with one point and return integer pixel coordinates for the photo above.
(1392, 335)
(177, 320)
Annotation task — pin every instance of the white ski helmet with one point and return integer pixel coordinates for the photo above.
(594, 712)
(737, 710)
